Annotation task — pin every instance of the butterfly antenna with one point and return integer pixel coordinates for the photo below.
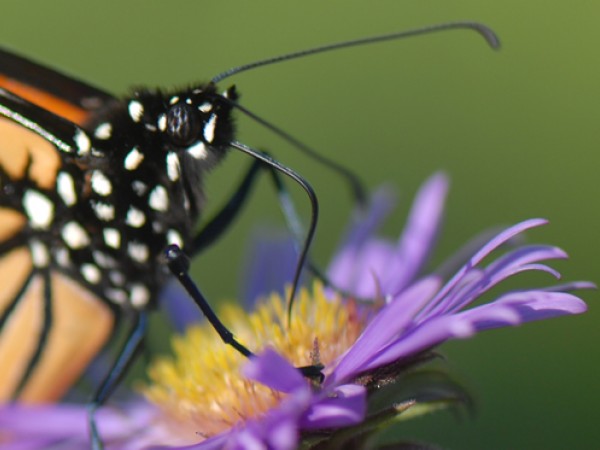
(314, 208)
(356, 186)
(486, 32)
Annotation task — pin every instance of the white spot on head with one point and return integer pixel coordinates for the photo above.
(101, 185)
(162, 122)
(209, 128)
(139, 187)
(103, 260)
(205, 107)
(66, 188)
(39, 209)
(198, 150)
(74, 235)
(136, 110)
(104, 211)
(173, 237)
(172, 166)
(83, 142)
(133, 159)
(139, 295)
(138, 252)
(39, 254)
(158, 199)
(135, 217)
(91, 273)
(112, 237)
(188, 101)
(103, 131)
(116, 295)
(173, 100)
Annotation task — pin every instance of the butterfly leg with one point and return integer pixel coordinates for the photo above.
(124, 359)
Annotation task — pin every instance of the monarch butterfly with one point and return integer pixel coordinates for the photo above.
(93, 190)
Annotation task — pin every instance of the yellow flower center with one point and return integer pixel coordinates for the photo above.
(201, 389)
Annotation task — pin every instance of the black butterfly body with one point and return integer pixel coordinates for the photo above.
(95, 199)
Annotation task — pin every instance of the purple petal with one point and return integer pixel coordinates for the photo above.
(511, 309)
(269, 267)
(274, 371)
(342, 271)
(385, 326)
(419, 235)
(346, 406)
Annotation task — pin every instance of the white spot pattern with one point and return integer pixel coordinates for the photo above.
(116, 295)
(133, 159)
(172, 166)
(136, 110)
(112, 237)
(135, 217)
(104, 211)
(198, 150)
(39, 254)
(101, 185)
(103, 131)
(159, 199)
(66, 188)
(162, 122)
(39, 209)
(83, 142)
(139, 295)
(138, 251)
(209, 128)
(173, 237)
(74, 235)
(91, 273)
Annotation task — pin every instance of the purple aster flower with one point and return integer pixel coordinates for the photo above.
(209, 397)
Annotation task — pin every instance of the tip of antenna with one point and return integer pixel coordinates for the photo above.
(488, 34)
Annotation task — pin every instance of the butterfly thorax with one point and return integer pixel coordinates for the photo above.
(135, 188)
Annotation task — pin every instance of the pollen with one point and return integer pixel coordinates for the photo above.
(201, 389)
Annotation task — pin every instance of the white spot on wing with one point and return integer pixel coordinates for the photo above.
(83, 142)
(62, 257)
(66, 188)
(91, 273)
(138, 252)
(103, 260)
(135, 217)
(136, 110)
(133, 159)
(39, 254)
(116, 295)
(112, 237)
(209, 128)
(139, 295)
(39, 209)
(74, 235)
(158, 199)
(172, 166)
(100, 183)
(103, 131)
(173, 100)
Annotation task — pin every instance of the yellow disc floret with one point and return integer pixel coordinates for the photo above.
(201, 387)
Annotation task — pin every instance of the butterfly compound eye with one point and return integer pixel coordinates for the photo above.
(183, 124)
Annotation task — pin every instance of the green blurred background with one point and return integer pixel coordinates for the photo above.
(516, 130)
